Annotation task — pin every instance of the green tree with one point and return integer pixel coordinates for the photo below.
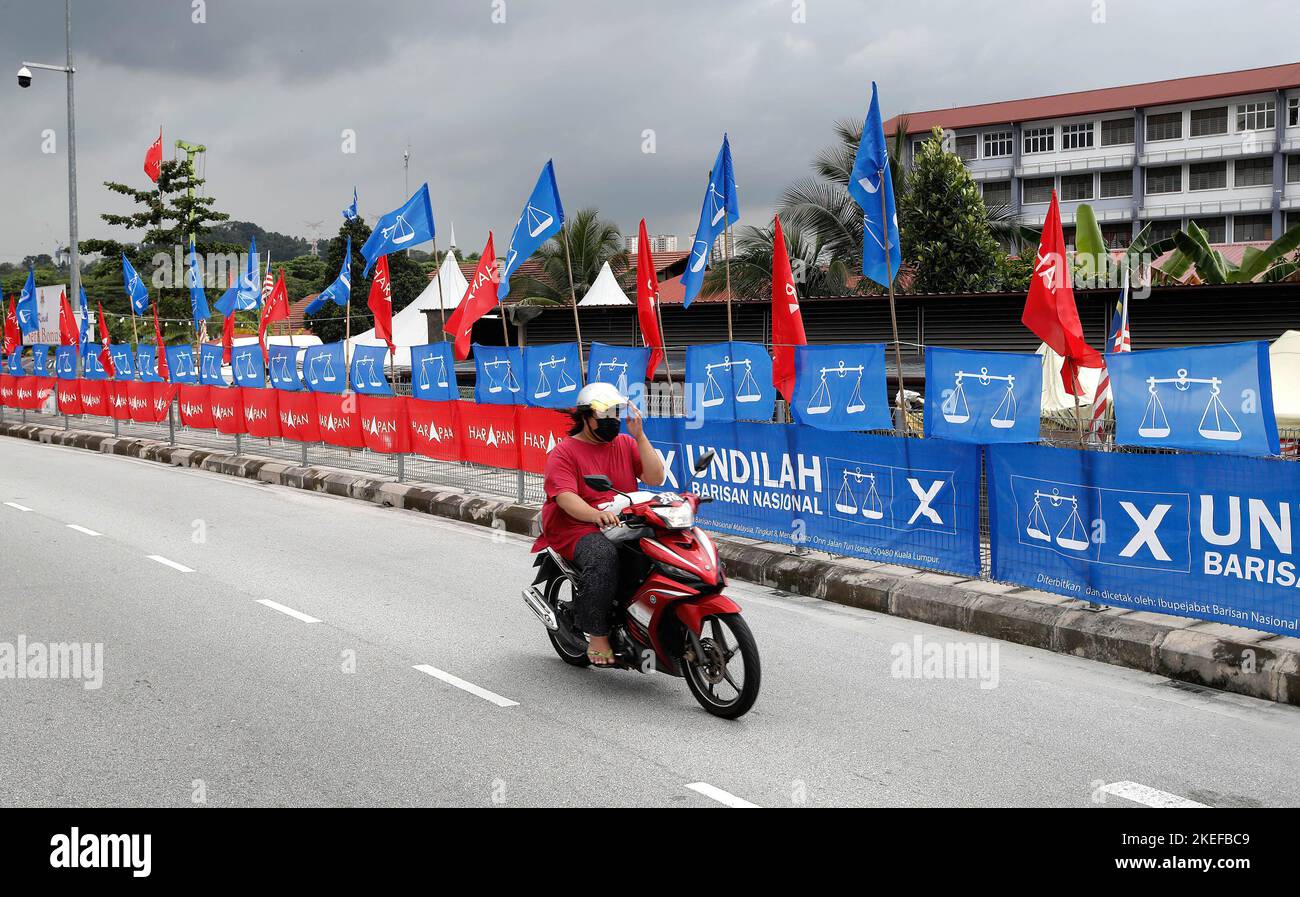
(592, 241)
(751, 266)
(944, 227)
(281, 246)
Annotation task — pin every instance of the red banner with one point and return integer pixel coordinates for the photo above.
(7, 388)
(261, 412)
(44, 390)
(69, 397)
(434, 429)
(194, 408)
(297, 413)
(227, 409)
(25, 394)
(338, 420)
(139, 398)
(488, 434)
(383, 424)
(161, 400)
(93, 397)
(539, 430)
(118, 396)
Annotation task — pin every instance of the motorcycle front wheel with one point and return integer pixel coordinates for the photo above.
(726, 679)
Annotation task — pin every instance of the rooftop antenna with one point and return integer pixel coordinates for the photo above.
(406, 173)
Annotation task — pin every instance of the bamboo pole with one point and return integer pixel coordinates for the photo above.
(726, 264)
(573, 300)
(893, 310)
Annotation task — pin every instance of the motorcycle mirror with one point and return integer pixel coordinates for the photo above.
(703, 461)
(599, 482)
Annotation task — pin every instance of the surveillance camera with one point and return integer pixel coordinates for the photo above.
(24, 77)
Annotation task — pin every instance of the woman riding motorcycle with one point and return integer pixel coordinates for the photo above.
(571, 521)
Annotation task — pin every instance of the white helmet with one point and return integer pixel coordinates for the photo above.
(600, 398)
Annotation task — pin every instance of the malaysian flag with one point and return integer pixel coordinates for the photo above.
(268, 282)
(1120, 341)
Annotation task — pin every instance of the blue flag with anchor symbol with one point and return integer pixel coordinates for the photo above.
(65, 362)
(368, 371)
(322, 367)
(982, 397)
(284, 367)
(869, 179)
(729, 381)
(720, 208)
(841, 387)
(1203, 398)
(180, 364)
(28, 319)
(210, 365)
(542, 217)
(552, 375)
(404, 227)
(498, 375)
(340, 291)
(433, 373)
(136, 291)
(247, 367)
(622, 366)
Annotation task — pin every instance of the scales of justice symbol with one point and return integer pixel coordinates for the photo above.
(366, 366)
(497, 380)
(66, 364)
(1072, 535)
(439, 378)
(564, 384)
(822, 402)
(746, 391)
(614, 364)
(956, 410)
(1216, 421)
(211, 367)
(280, 372)
(321, 373)
(184, 366)
(244, 369)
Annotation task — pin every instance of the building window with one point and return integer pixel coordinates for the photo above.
(1293, 169)
(1036, 189)
(1293, 112)
(1206, 122)
(967, 147)
(1117, 236)
(1078, 136)
(1216, 229)
(1255, 116)
(1075, 187)
(1167, 179)
(997, 193)
(1163, 230)
(1039, 140)
(1207, 176)
(1252, 228)
(997, 144)
(1165, 126)
(1117, 132)
(916, 148)
(1116, 183)
(1252, 172)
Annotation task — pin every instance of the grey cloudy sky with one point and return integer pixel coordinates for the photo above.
(269, 85)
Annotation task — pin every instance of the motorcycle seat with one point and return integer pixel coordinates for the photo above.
(565, 567)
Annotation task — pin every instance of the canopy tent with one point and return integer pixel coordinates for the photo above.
(411, 325)
(1055, 398)
(605, 291)
(1284, 359)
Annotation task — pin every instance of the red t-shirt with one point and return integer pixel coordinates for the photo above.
(570, 461)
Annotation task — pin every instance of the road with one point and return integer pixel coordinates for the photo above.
(211, 696)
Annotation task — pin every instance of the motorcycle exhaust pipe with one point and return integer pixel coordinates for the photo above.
(537, 604)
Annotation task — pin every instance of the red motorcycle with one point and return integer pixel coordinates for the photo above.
(671, 615)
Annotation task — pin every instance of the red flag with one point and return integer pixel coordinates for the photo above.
(13, 337)
(381, 302)
(787, 319)
(160, 348)
(105, 354)
(647, 302)
(69, 333)
(1050, 311)
(479, 299)
(153, 159)
(276, 308)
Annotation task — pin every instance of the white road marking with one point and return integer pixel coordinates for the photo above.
(722, 797)
(297, 615)
(166, 563)
(17, 507)
(82, 529)
(1150, 797)
(466, 686)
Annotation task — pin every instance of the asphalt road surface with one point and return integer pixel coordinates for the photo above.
(266, 646)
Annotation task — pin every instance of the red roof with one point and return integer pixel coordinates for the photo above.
(533, 267)
(1107, 99)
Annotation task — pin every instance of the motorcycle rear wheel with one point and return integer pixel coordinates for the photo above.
(570, 644)
(706, 676)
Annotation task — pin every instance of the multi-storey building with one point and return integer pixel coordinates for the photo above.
(658, 242)
(1221, 150)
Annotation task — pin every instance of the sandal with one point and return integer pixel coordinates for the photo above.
(600, 658)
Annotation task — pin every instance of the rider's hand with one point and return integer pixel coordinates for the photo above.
(635, 423)
(606, 518)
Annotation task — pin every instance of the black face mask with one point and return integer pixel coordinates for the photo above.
(607, 428)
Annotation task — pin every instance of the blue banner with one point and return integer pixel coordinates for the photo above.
(322, 367)
(720, 208)
(210, 362)
(433, 373)
(41, 360)
(409, 225)
(982, 397)
(284, 368)
(903, 501)
(368, 371)
(621, 366)
(498, 375)
(729, 381)
(542, 218)
(123, 361)
(841, 387)
(146, 363)
(91, 369)
(247, 366)
(552, 375)
(14, 362)
(1203, 398)
(65, 362)
(180, 365)
(1192, 535)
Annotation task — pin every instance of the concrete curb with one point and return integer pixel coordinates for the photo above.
(1215, 655)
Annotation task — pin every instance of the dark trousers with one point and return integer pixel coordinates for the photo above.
(596, 589)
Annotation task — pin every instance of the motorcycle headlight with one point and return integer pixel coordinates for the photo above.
(677, 517)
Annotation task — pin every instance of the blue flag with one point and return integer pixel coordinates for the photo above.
(14, 363)
(870, 176)
(136, 291)
(85, 316)
(198, 298)
(720, 208)
(368, 371)
(210, 365)
(543, 216)
(351, 211)
(248, 292)
(498, 375)
(284, 368)
(322, 367)
(730, 381)
(146, 363)
(983, 397)
(28, 317)
(433, 373)
(552, 376)
(402, 228)
(620, 366)
(65, 362)
(340, 291)
(840, 387)
(40, 360)
(247, 367)
(123, 361)
(229, 301)
(180, 365)
(91, 368)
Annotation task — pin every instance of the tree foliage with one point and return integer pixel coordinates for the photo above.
(751, 266)
(593, 241)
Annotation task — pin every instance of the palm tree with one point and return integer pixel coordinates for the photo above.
(592, 242)
(751, 266)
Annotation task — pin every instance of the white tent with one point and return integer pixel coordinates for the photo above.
(605, 291)
(1055, 398)
(411, 324)
(1284, 359)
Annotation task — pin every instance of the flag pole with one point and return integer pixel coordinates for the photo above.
(437, 278)
(663, 344)
(893, 311)
(573, 299)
